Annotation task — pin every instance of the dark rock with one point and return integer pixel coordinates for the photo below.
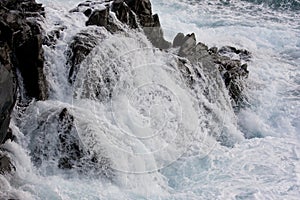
(124, 14)
(8, 89)
(230, 66)
(189, 43)
(178, 40)
(80, 47)
(213, 50)
(150, 23)
(6, 166)
(88, 12)
(63, 148)
(9, 136)
(24, 39)
(98, 18)
(20, 49)
(242, 53)
(52, 36)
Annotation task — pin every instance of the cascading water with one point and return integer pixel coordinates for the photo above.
(142, 133)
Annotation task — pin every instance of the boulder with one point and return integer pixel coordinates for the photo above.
(125, 14)
(81, 45)
(6, 165)
(188, 45)
(98, 18)
(178, 40)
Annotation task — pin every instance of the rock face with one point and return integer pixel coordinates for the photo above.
(130, 12)
(81, 46)
(6, 166)
(149, 22)
(227, 59)
(20, 49)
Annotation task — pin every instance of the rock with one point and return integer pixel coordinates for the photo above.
(189, 43)
(8, 89)
(178, 40)
(228, 60)
(125, 14)
(62, 147)
(50, 39)
(24, 39)
(150, 23)
(80, 47)
(6, 166)
(134, 13)
(98, 14)
(20, 48)
(230, 51)
(98, 18)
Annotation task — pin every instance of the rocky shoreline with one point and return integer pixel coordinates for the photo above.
(22, 59)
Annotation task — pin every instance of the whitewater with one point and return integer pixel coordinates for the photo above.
(252, 153)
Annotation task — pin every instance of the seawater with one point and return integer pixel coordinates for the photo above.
(262, 164)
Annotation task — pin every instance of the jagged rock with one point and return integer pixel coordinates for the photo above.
(98, 18)
(178, 40)
(130, 12)
(6, 166)
(189, 43)
(80, 47)
(62, 147)
(227, 59)
(8, 89)
(20, 48)
(150, 23)
(52, 36)
(24, 40)
(124, 14)
(230, 51)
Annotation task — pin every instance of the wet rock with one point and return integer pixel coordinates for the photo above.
(125, 14)
(24, 40)
(189, 43)
(150, 23)
(98, 14)
(228, 60)
(8, 89)
(232, 51)
(63, 147)
(6, 165)
(81, 45)
(98, 18)
(178, 40)
(50, 38)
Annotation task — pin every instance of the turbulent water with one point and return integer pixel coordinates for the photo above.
(164, 140)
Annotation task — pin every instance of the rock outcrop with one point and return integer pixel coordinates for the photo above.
(6, 165)
(62, 147)
(80, 47)
(20, 50)
(134, 13)
(229, 60)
